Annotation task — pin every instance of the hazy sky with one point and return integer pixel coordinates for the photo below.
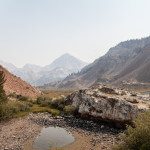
(38, 31)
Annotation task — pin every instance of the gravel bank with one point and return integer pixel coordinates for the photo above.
(18, 133)
(14, 133)
(88, 135)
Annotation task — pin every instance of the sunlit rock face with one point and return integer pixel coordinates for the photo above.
(107, 104)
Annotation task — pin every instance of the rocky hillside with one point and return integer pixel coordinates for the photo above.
(14, 84)
(128, 61)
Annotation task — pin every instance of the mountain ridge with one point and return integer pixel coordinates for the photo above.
(59, 69)
(113, 65)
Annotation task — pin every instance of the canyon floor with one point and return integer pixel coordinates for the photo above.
(19, 133)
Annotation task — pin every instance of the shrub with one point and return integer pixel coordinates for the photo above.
(13, 95)
(55, 112)
(58, 103)
(43, 101)
(11, 108)
(22, 98)
(39, 109)
(137, 138)
(4, 112)
(69, 110)
(40, 100)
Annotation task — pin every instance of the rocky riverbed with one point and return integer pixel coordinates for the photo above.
(14, 133)
(18, 134)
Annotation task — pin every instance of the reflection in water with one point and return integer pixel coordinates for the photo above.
(52, 137)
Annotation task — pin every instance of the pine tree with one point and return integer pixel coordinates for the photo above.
(3, 97)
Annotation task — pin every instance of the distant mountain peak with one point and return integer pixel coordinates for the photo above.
(59, 69)
(66, 55)
(28, 65)
(8, 66)
(67, 61)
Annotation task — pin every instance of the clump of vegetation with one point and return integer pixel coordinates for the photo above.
(54, 106)
(22, 98)
(137, 138)
(9, 108)
(39, 109)
(18, 97)
(58, 103)
(69, 110)
(43, 101)
(55, 112)
(17, 105)
(12, 108)
(12, 95)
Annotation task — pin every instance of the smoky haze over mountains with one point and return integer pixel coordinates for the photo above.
(34, 31)
(56, 71)
(128, 61)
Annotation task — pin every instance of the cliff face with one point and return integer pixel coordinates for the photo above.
(14, 84)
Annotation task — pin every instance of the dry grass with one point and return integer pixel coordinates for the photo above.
(38, 109)
(19, 107)
(56, 94)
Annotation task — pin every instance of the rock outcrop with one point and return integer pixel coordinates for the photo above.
(107, 104)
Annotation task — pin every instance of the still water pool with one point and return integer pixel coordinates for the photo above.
(55, 137)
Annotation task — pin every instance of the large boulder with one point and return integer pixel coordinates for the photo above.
(107, 104)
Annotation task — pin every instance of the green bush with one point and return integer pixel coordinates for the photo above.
(69, 110)
(137, 138)
(43, 101)
(55, 112)
(11, 108)
(40, 100)
(4, 112)
(58, 103)
(40, 109)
